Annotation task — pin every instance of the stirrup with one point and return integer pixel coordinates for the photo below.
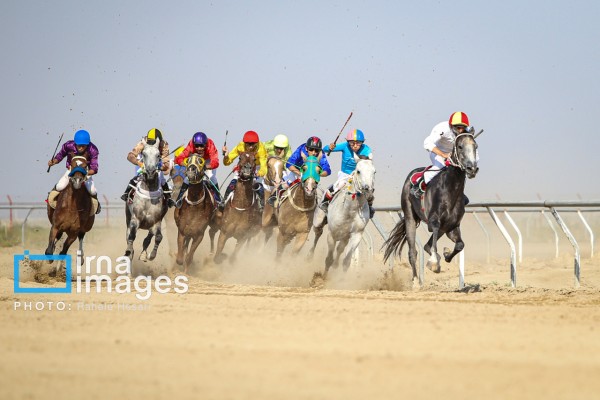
(324, 205)
(271, 200)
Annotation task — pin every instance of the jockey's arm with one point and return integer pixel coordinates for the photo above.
(294, 169)
(91, 172)
(440, 153)
(132, 157)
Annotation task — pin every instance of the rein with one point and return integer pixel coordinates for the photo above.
(454, 161)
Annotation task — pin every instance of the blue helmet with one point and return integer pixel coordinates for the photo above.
(82, 138)
(200, 138)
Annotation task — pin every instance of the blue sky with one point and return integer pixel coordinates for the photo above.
(526, 72)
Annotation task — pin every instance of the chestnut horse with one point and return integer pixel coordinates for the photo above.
(296, 210)
(241, 217)
(73, 214)
(195, 214)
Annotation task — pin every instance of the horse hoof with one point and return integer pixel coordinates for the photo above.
(219, 258)
(143, 256)
(434, 267)
(318, 280)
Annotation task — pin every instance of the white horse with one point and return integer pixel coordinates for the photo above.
(347, 215)
(148, 207)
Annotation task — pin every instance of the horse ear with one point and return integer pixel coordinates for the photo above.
(355, 156)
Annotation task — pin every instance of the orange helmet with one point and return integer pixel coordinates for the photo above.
(459, 119)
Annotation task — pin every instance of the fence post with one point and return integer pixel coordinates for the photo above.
(573, 243)
(10, 203)
(106, 208)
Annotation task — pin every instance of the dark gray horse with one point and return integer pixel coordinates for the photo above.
(148, 206)
(441, 208)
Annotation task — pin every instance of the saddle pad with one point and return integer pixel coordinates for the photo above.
(417, 176)
(53, 198)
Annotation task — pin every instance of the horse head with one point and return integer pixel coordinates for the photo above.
(275, 168)
(311, 175)
(78, 172)
(195, 168)
(364, 175)
(151, 160)
(464, 154)
(247, 164)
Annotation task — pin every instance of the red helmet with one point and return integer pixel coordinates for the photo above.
(459, 119)
(251, 137)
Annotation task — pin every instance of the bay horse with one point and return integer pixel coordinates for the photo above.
(297, 207)
(195, 214)
(73, 213)
(442, 207)
(241, 216)
(347, 215)
(273, 179)
(148, 206)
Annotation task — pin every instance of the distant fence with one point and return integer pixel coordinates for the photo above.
(510, 207)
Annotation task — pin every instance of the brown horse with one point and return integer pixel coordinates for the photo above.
(177, 176)
(74, 213)
(274, 178)
(241, 215)
(296, 210)
(195, 214)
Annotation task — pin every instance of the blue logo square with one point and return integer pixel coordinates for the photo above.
(42, 257)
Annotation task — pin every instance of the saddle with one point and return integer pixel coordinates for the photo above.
(416, 179)
(282, 194)
(53, 201)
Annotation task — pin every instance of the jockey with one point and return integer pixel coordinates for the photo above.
(279, 146)
(79, 146)
(313, 147)
(439, 144)
(134, 157)
(354, 146)
(251, 144)
(205, 147)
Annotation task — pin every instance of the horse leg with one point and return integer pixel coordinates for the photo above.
(68, 242)
(212, 231)
(190, 254)
(80, 237)
(181, 245)
(433, 263)
(341, 245)
(353, 243)
(459, 245)
(330, 248)
(299, 242)
(410, 229)
(144, 255)
(52, 239)
(282, 241)
(427, 247)
(219, 256)
(158, 237)
(131, 233)
(318, 232)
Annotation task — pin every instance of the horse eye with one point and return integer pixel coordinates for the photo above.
(358, 172)
(460, 147)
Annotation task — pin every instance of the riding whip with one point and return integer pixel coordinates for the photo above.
(225, 144)
(478, 133)
(53, 154)
(338, 136)
(176, 148)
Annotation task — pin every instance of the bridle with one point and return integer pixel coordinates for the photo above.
(454, 160)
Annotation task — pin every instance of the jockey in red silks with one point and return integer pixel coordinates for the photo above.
(83, 147)
(205, 147)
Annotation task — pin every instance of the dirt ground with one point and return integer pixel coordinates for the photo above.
(258, 330)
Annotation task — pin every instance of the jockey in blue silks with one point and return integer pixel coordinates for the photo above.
(354, 146)
(313, 147)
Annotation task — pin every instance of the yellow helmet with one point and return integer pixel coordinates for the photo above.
(281, 141)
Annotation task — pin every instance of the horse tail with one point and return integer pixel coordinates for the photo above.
(395, 240)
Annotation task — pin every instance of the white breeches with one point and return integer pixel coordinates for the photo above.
(63, 182)
(438, 163)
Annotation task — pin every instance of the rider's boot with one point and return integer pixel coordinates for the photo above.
(228, 191)
(419, 189)
(167, 194)
(327, 196)
(466, 199)
(184, 187)
(260, 191)
(95, 196)
(216, 193)
(371, 210)
(131, 183)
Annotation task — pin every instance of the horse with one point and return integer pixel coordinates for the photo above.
(297, 207)
(177, 177)
(442, 207)
(195, 214)
(274, 178)
(347, 215)
(147, 207)
(73, 214)
(241, 216)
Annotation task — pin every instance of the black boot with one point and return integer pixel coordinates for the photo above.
(167, 194)
(131, 183)
(466, 199)
(260, 190)
(228, 191)
(184, 187)
(327, 196)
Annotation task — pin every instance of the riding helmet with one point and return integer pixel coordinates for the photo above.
(250, 137)
(459, 119)
(315, 143)
(153, 135)
(200, 138)
(356, 134)
(82, 138)
(281, 141)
